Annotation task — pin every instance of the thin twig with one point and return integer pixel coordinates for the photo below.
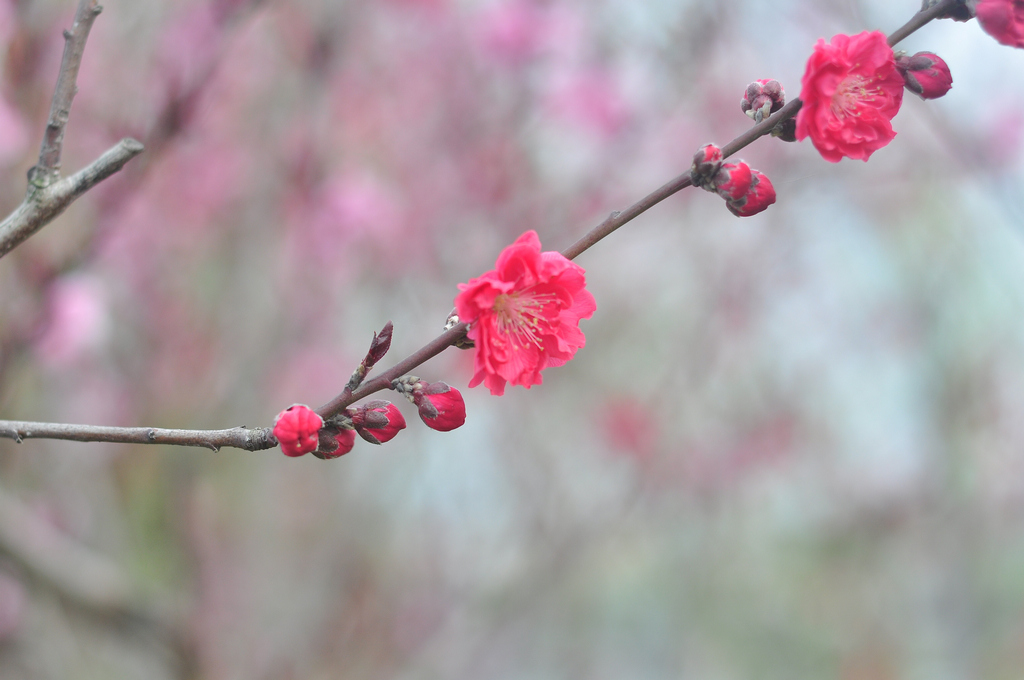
(254, 439)
(44, 203)
(64, 94)
(48, 195)
(383, 381)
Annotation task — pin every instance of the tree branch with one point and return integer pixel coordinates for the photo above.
(48, 195)
(44, 203)
(60, 107)
(255, 439)
(258, 439)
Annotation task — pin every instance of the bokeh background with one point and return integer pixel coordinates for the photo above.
(793, 446)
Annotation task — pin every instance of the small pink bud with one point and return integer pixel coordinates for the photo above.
(441, 407)
(296, 429)
(377, 421)
(733, 181)
(762, 98)
(706, 163)
(925, 74)
(335, 443)
(760, 195)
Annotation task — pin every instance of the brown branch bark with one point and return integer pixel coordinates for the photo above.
(44, 203)
(48, 195)
(64, 94)
(250, 439)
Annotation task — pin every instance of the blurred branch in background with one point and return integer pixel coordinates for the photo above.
(48, 196)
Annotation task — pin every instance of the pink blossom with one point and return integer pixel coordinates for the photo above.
(851, 90)
(592, 99)
(14, 138)
(512, 31)
(524, 315)
(77, 321)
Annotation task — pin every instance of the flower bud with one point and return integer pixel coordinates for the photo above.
(925, 74)
(706, 163)
(1003, 20)
(335, 442)
(377, 421)
(759, 196)
(296, 429)
(441, 407)
(733, 180)
(786, 130)
(762, 98)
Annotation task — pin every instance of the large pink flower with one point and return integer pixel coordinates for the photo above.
(851, 90)
(1003, 20)
(524, 315)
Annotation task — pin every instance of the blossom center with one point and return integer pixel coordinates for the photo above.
(518, 315)
(850, 94)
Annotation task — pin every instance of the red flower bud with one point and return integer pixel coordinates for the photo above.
(925, 74)
(760, 195)
(1003, 20)
(441, 407)
(296, 429)
(762, 98)
(706, 163)
(335, 442)
(377, 421)
(733, 181)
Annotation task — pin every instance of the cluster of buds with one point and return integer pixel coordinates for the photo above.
(925, 74)
(300, 430)
(440, 406)
(762, 98)
(746, 191)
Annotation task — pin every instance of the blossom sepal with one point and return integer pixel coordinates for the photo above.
(296, 429)
(335, 442)
(925, 74)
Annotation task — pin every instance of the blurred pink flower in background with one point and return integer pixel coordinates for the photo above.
(77, 321)
(186, 50)
(512, 32)
(592, 99)
(14, 138)
(630, 427)
(13, 604)
(348, 208)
